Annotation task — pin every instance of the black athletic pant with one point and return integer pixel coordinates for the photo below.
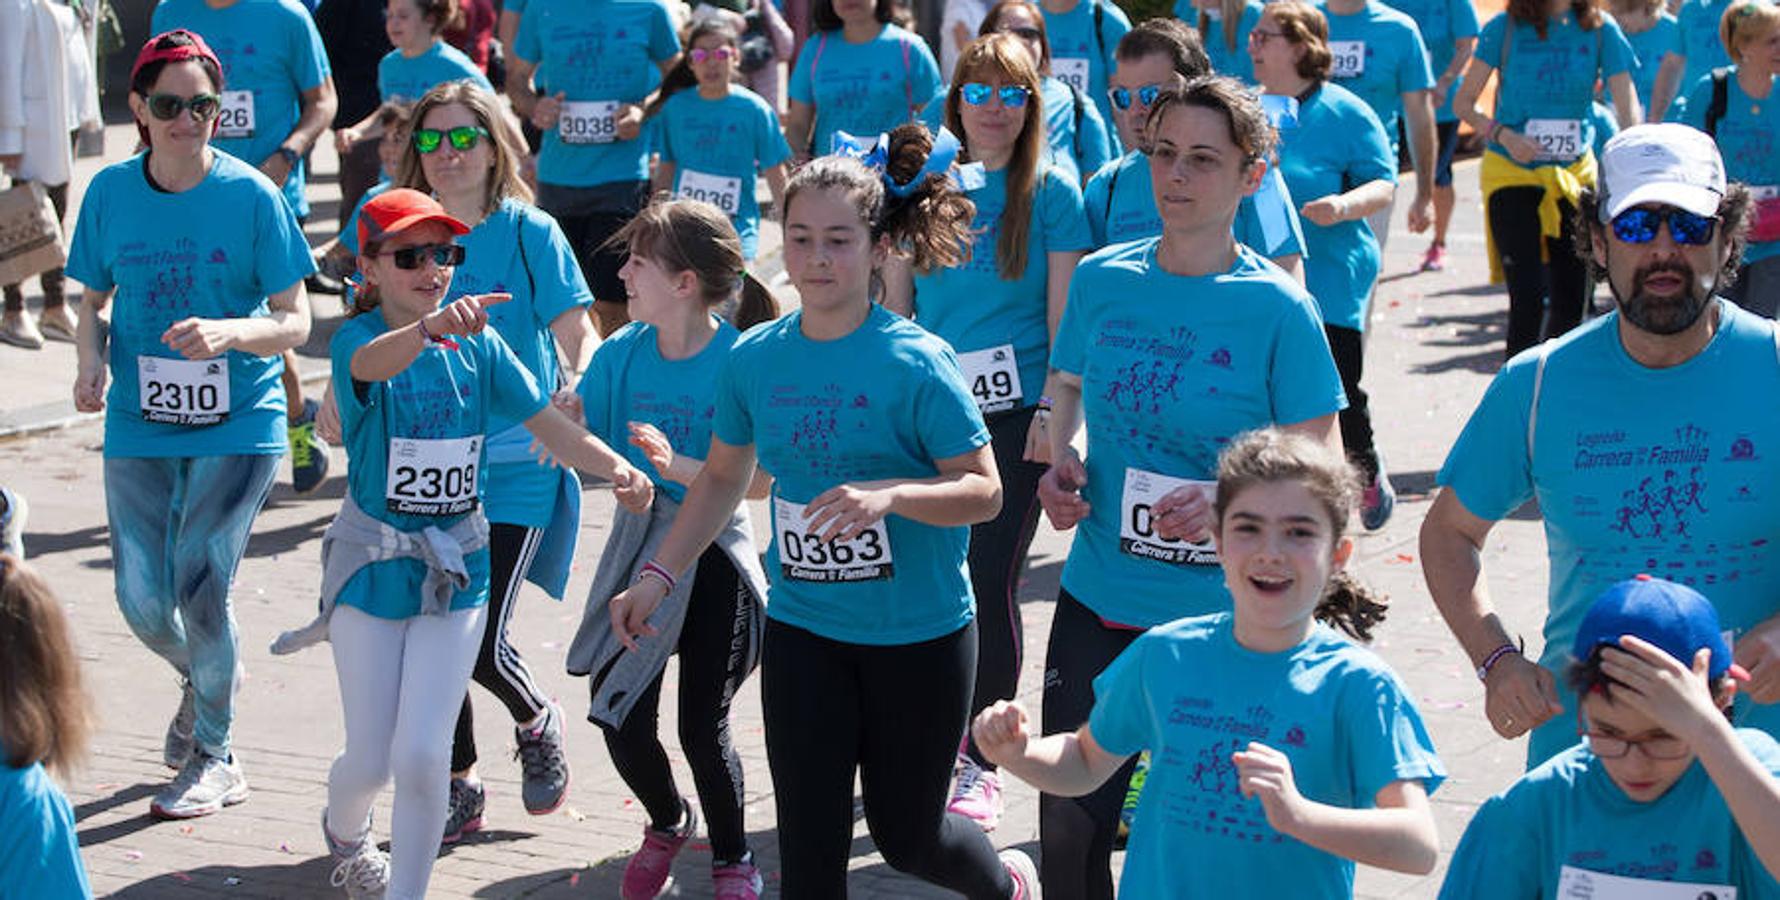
(1563, 280)
(1076, 833)
(997, 556)
(1349, 349)
(716, 651)
(498, 666)
(893, 714)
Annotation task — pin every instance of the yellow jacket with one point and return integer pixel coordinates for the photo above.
(1560, 183)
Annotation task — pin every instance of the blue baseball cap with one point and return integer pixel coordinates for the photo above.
(1672, 616)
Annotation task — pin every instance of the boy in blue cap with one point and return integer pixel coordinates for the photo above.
(1661, 788)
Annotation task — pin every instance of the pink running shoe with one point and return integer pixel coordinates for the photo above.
(1024, 873)
(737, 881)
(1435, 259)
(648, 869)
(977, 795)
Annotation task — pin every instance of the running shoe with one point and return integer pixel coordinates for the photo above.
(176, 748)
(204, 786)
(18, 330)
(13, 512)
(737, 881)
(308, 452)
(463, 813)
(1379, 499)
(648, 869)
(1435, 259)
(56, 324)
(1024, 873)
(546, 773)
(977, 794)
(360, 868)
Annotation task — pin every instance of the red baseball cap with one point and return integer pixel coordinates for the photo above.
(395, 211)
(153, 52)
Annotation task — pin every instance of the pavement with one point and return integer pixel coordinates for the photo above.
(1436, 339)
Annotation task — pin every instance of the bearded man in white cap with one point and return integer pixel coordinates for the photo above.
(1650, 437)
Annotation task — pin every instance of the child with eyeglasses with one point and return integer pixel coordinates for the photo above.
(717, 138)
(1661, 787)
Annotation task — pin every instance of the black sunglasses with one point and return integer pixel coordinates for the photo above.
(167, 107)
(442, 255)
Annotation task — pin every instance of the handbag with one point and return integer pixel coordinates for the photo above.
(30, 235)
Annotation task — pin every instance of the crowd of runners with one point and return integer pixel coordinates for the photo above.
(1115, 274)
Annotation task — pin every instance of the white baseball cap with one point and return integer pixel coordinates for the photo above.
(1668, 163)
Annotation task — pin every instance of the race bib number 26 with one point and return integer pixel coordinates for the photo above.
(1137, 523)
(234, 119)
(804, 556)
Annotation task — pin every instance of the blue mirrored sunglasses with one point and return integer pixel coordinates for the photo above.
(1013, 96)
(1639, 225)
(1121, 97)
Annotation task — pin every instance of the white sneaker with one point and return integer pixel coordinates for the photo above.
(204, 786)
(1024, 873)
(360, 869)
(177, 746)
(12, 522)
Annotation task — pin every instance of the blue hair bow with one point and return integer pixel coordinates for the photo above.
(876, 157)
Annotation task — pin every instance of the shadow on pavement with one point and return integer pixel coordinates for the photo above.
(305, 878)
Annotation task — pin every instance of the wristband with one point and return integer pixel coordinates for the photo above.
(1495, 656)
(443, 341)
(1044, 403)
(653, 569)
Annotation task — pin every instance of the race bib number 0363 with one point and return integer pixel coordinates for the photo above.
(804, 556)
(432, 477)
(588, 122)
(1137, 525)
(993, 376)
(183, 391)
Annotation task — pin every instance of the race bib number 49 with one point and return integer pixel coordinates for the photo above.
(804, 556)
(432, 477)
(1350, 59)
(1137, 523)
(183, 391)
(234, 118)
(1559, 140)
(1071, 70)
(588, 122)
(723, 193)
(993, 376)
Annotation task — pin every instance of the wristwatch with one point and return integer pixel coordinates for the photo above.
(291, 157)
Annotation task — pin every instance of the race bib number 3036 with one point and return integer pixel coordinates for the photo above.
(717, 190)
(804, 556)
(183, 391)
(432, 477)
(1137, 524)
(588, 122)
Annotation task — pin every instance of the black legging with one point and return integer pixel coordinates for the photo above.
(893, 714)
(1563, 279)
(997, 556)
(498, 664)
(1076, 833)
(1349, 349)
(716, 656)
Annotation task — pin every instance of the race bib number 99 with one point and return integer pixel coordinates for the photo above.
(723, 193)
(1071, 70)
(1559, 140)
(432, 477)
(1350, 59)
(234, 118)
(804, 556)
(588, 122)
(1137, 524)
(183, 391)
(993, 376)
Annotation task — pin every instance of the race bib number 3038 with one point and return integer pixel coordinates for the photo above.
(183, 391)
(804, 556)
(432, 477)
(588, 122)
(1137, 524)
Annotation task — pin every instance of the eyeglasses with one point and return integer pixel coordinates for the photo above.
(1121, 97)
(1024, 32)
(1260, 36)
(442, 255)
(700, 54)
(1639, 225)
(1609, 747)
(167, 107)
(463, 137)
(975, 93)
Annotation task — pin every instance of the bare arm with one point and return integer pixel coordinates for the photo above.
(1350, 206)
(1464, 103)
(1059, 269)
(508, 30)
(569, 442)
(519, 83)
(387, 355)
(574, 333)
(318, 104)
(1668, 81)
(800, 119)
(966, 491)
(1625, 100)
(90, 348)
(663, 179)
(1397, 834)
(1070, 764)
(775, 183)
(1325, 429)
(285, 327)
(1462, 51)
(1065, 389)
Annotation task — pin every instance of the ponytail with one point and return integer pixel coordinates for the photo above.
(754, 304)
(931, 226)
(1348, 604)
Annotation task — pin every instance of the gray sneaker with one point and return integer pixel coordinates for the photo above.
(204, 786)
(13, 512)
(360, 868)
(463, 811)
(546, 773)
(177, 747)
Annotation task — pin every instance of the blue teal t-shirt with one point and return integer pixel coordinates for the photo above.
(1553, 78)
(1079, 136)
(1120, 201)
(1568, 813)
(1082, 54)
(520, 250)
(718, 147)
(1634, 473)
(435, 418)
(39, 850)
(1191, 695)
(268, 49)
(405, 80)
(1172, 369)
(1337, 146)
(1697, 24)
(1746, 138)
(1442, 22)
(171, 257)
(1227, 57)
(980, 314)
(1648, 49)
(1379, 56)
(886, 401)
(863, 89)
(595, 52)
(629, 381)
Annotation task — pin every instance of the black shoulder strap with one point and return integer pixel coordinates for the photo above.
(1076, 100)
(1721, 91)
(531, 282)
(1099, 39)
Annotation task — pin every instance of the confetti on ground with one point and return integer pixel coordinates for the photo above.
(186, 829)
(574, 879)
(132, 855)
(183, 877)
(284, 848)
(629, 802)
(574, 813)
(231, 881)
